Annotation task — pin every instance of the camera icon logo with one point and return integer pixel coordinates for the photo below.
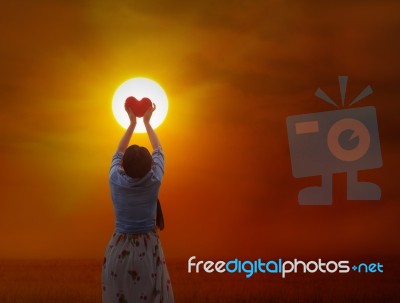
(343, 140)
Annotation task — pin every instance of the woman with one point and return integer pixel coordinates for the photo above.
(134, 268)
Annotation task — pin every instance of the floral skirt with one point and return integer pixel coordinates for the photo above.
(134, 270)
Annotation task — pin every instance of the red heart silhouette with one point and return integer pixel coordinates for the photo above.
(138, 107)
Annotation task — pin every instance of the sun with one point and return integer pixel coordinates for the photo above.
(140, 88)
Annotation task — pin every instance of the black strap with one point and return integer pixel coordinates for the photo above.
(159, 217)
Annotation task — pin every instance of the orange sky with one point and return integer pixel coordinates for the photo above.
(233, 71)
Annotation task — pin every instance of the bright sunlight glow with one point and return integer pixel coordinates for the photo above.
(140, 88)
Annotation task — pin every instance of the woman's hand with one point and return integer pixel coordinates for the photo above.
(148, 113)
(131, 114)
(123, 144)
(150, 131)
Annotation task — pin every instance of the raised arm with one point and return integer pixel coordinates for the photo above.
(123, 144)
(155, 143)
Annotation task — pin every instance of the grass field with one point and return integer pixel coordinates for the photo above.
(79, 281)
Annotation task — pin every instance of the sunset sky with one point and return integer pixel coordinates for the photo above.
(233, 72)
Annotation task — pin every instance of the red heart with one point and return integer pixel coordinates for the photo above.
(138, 107)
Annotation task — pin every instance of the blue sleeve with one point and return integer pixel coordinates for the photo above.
(158, 163)
(116, 162)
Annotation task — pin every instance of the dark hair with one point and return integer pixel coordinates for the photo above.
(136, 161)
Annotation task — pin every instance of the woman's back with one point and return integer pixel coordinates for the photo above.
(135, 199)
